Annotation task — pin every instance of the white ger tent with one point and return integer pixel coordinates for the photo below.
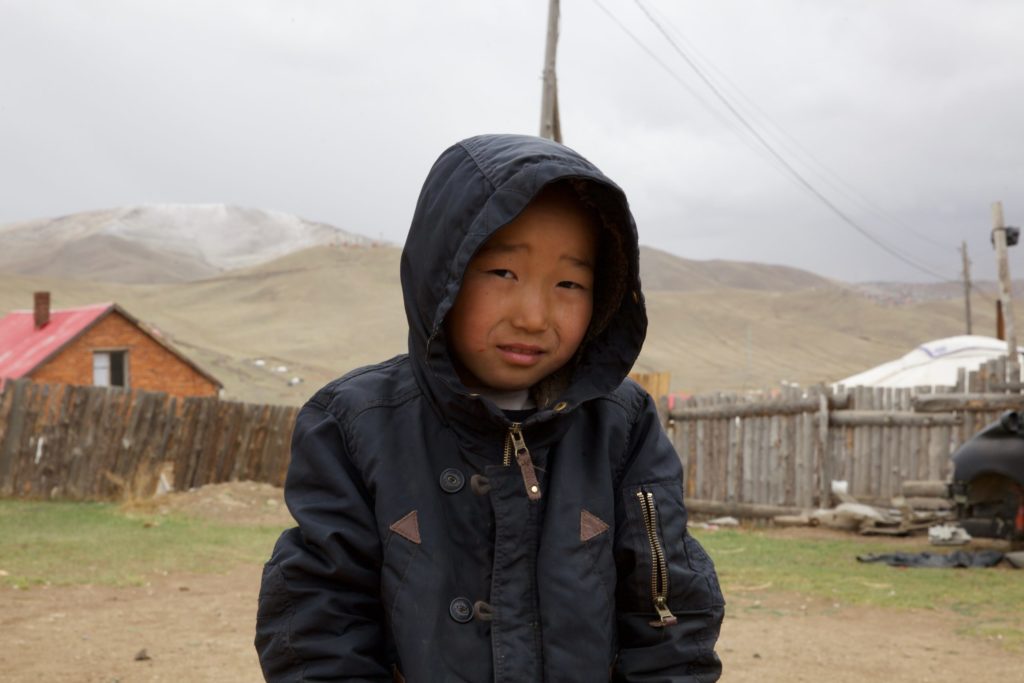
(934, 363)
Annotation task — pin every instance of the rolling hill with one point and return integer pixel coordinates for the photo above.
(159, 243)
(324, 310)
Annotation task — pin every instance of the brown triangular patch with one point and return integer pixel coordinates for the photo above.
(408, 527)
(590, 526)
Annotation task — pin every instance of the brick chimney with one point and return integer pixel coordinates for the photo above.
(42, 309)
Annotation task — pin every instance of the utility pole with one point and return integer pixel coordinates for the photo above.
(1005, 292)
(967, 284)
(550, 127)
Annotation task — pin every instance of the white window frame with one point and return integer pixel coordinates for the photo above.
(101, 373)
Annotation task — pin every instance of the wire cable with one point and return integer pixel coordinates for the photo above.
(790, 170)
(708, 106)
(827, 175)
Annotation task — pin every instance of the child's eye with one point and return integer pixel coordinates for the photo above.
(569, 284)
(502, 273)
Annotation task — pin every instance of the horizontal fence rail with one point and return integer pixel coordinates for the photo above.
(94, 443)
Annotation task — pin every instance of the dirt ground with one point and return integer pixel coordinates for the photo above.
(199, 628)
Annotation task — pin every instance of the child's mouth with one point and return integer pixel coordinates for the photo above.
(520, 354)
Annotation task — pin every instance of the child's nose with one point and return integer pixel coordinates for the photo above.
(531, 313)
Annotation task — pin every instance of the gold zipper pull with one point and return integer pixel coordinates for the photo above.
(665, 616)
(516, 445)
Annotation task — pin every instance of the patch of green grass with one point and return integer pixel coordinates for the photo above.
(76, 543)
(756, 563)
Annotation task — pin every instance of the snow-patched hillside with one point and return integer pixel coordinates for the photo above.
(160, 243)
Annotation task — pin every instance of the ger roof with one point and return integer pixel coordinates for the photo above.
(934, 363)
(23, 347)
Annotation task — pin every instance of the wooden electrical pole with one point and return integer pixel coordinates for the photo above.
(550, 127)
(1005, 289)
(967, 284)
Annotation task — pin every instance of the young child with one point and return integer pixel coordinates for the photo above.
(500, 504)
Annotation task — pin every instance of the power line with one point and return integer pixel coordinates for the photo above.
(765, 146)
(708, 106)
(824, 172)
(721, 118)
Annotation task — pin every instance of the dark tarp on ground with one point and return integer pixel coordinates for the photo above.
(960, 558)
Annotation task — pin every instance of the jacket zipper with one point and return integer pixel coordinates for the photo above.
(515, 445)
(659, 566)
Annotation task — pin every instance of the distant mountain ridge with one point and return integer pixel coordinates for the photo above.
(173, 243)
(662, 271)
(160, 243)
(177, 243)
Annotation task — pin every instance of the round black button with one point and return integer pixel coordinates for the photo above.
(452, 480)
(461, 610)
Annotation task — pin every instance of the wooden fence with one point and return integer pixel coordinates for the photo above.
(92, 443)
(785, 450)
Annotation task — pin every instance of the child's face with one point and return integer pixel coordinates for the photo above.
(526, 298)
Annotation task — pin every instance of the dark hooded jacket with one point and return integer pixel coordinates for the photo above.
(420, 552)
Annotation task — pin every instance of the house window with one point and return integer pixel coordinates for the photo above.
(110, 369)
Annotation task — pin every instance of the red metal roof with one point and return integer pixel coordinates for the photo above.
(23, 347)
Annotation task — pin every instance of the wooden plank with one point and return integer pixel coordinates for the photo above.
(229, 419)
(764, 458)
(907, 436)
(691, 450)
(278, 438)
(861, 485)
(52, 431)
(706, 410)
(757, 455)
(875, 475)
(734, 471)
(241, 468)
(888, 450)
(724, 468)
(283, 450)
(711, 457)
(971, 402)
(747, 460)
(741, 510)
(823, 455)
(184, 448)
(207, 443)
(775, 470)
(16, 395)
(925, 488)
(789, 445)
(936, 453)
(85, 423)
(805, 462)
(891, 418)
(702, 451)
(280, 452)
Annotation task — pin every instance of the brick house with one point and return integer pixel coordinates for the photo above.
(100, 345)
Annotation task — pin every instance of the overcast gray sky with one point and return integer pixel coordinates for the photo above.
(906, 116)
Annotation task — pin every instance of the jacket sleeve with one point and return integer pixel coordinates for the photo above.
(655, 556)
(320, 616)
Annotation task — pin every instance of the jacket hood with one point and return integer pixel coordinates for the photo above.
(476, 187)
